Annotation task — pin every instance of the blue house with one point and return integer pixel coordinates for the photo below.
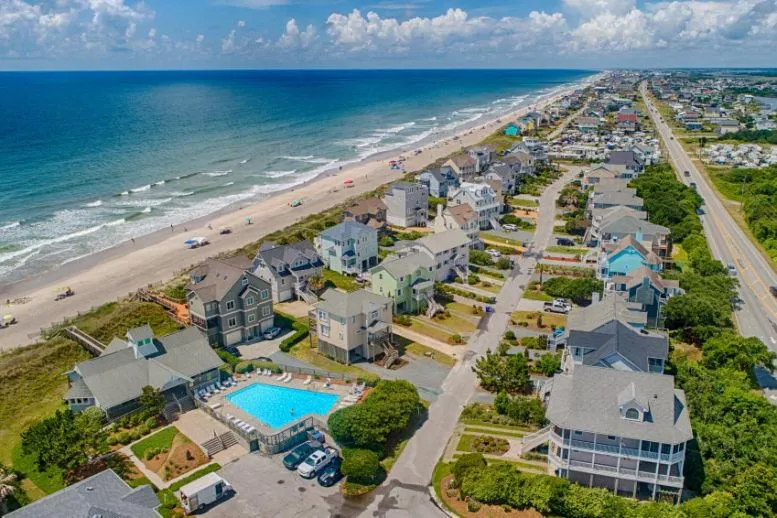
(625, 256)
(439, 181)
(511, 130)
(349, 248)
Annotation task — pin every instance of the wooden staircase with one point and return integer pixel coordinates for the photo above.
(219, 443)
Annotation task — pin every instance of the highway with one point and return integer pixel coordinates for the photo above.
(756, 313)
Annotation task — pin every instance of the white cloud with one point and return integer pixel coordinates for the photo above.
(228, 43)
(200, 38)
(241, 23)
(152, 32)
(252, 4)
(293, 38)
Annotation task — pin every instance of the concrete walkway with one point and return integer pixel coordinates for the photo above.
(405, 494)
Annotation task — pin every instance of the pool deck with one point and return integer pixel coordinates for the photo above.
(222, 406)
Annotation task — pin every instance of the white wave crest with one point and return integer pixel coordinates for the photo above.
(11, 225)
(94, 203)
(219, 173)
(141, 189)
(184, 193)
(278, 174)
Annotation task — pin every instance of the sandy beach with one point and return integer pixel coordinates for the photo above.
(122, 269)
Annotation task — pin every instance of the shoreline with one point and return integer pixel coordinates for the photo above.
(121, 269)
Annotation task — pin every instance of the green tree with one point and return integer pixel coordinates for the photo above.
(504, 263)
(480, 257)
(735, 351)
(756, 490)
(151, 401)
(361, 466)
(467, 462)
(499, 373)
(65, 440)
(548, 364)
(501, 403)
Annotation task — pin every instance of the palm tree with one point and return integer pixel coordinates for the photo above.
(316, 283)
(7, 488)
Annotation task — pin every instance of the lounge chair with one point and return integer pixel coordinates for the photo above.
(289, 377)
(352, 397)
(307, 380)
(268, 372)
(219, 385)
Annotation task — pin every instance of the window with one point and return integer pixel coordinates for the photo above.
(232, 322)
(666, 449)
(632, 413)
(250, 300)
(264, 294)
(341, 335)
(380, 276)
(611, 437)
(323, 315)
(324, 329)
(244, 281)
(578, 432)
(399, 292)
(230, 305)
(374, 315)
(266, 311)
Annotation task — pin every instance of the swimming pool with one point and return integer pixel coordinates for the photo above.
(278, 406)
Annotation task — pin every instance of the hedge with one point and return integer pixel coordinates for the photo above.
(301, 332)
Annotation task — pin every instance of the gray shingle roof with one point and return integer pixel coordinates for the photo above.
(618, 338)
(347, 230)
(345, 304)
(119, 376)
(586, 399)
(217, 278)
(617, 198)
(628, 224)
(104, 494)
(280, 258)
(78, 389)
(611, 307)
(406, 265)
(627, 158)
(443, 241)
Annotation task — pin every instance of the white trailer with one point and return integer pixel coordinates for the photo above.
(203, 491)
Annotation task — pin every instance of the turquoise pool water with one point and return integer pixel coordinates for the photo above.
(278, 406)
(626, 262)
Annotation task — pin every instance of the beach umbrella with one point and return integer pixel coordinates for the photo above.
(348, 182)
(7, 318)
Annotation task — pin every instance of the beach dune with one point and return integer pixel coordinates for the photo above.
(121, 270)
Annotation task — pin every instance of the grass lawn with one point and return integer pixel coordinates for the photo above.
(37, 484)
(441, 470)
(464, 442)
(161, 439)
(457, 324)
(548, 319)
(521, 202)
(494, 275)
(517, 429)
(112, 320)
(486, 431)
(417, 349)
(304, 352)
(537, 295)
(458, 307)
(338, 280)
(428, 330)
(567, 250)
(492, 239)
(491, 287)
(537, 468)
(679, 257)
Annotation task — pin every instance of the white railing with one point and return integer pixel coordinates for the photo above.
(531, 441)
(623, 451)
(626, 473)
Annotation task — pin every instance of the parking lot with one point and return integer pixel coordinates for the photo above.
(264, 487)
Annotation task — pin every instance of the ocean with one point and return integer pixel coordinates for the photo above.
(91, 159)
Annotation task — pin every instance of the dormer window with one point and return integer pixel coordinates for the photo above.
(632, 414)
(245, 281)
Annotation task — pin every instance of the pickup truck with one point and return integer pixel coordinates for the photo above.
(298, 455)
(557, 306)
(316, 462)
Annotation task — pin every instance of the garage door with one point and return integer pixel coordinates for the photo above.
(284, 295)
(234, 337)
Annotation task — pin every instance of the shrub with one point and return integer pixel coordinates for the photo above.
(504, 263)
(124, 438)
(151, 422)
(465, 463)
(509, 335)
(473, 279)
(362, 466)
(301, 332)
(403, 320)
(473, 506)
(228, 358)
(501, 403)
(143, 429)
(247, 367)
(489, 444)
(369, 381)
(151, 453)
(386, 241)
(112, 440)
(135, 434)
(455, 339)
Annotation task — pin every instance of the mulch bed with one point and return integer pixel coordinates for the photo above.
(485, 511)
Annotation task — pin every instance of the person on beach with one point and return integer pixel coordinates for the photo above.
(172, 229)
(133, 240)
(210, 227)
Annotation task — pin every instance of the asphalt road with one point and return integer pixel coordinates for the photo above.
(756, 313)
(405, 493)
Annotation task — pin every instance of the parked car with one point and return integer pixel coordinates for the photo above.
(331, 474)
(231, 349)
(693, 185)
(732, 270)
(272, 333)
(295, 457)
(700, 211)
(316, 462)
(557, 306)
(564, 241)
(773, 290)
(510, 227)
(494, 253)
(687, 174)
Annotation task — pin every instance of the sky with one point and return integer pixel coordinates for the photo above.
(591, 34)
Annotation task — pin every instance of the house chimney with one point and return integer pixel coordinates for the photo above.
(439, 209)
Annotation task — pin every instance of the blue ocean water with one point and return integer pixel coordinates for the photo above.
(90, 159)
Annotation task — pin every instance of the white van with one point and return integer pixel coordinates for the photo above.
(203, 491)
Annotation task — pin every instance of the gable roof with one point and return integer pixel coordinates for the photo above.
(619, 223)
(463, 160)
(617, 198)
(636, 277)
(406, 265)
(601, 214)
(461, 214)
(119, 376)
(443, 241)
(627, 158)
(617, 337)
(345, 304)
(587, 399)
(609, 308)
(441, 174)
(347, 230)
(280, 257)
(216, 277)
(104, 494)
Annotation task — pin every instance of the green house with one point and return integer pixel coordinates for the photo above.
(511, 130)
(407, 280)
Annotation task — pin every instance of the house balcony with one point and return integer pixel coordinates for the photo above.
(649, 477)
(621, 451)
(422, 290)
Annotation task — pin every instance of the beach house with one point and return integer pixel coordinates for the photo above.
(177, 364)
(459, 217)
(483, 156)
(620, 430)
(439, 181)
(463, 166)
(408, 280)
(228, 302)
(505, 175)
(354, 326)
(625, 256)
(449, 250)
(621, 222)
(482, 199)
(632, 162)
(287, 268)
(349, 248)
(103, 495)
(369, 211)
(407, 204)
(647, 288)
(612, 306)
